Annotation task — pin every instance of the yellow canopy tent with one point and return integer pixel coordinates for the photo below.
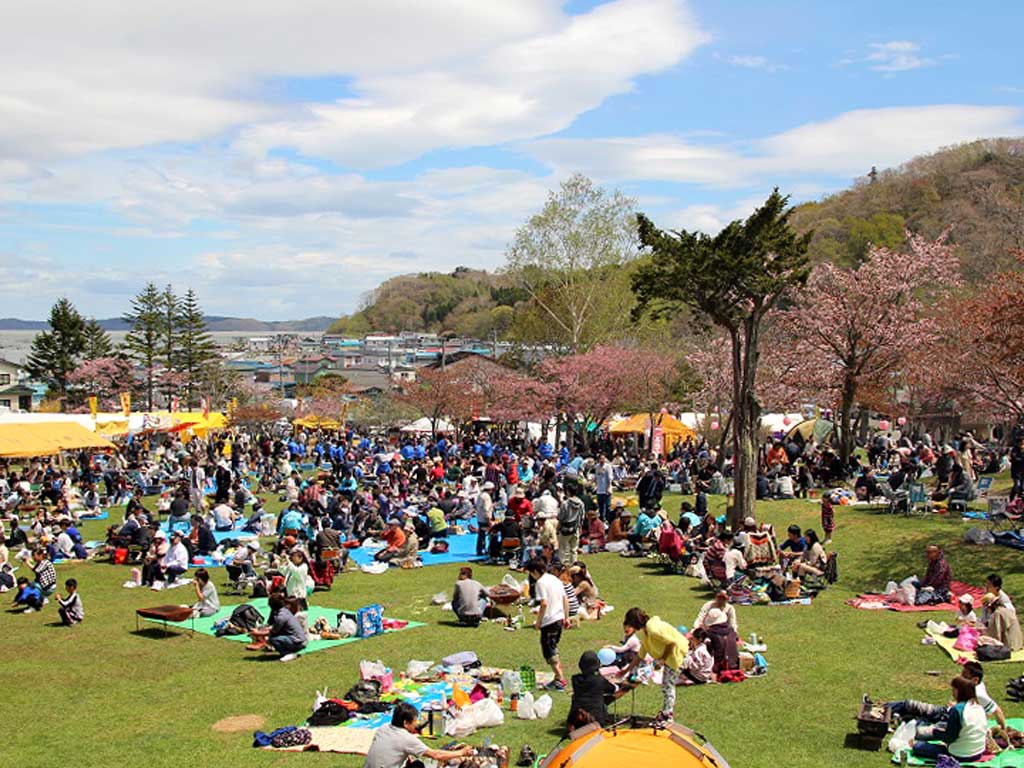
(111, 428)
(193, 420)
(316, 422)
(46, 439)
(591, 747)
(640, 424)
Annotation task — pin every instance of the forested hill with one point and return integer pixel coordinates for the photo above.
(975, 189)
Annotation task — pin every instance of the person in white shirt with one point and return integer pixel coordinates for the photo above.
(721, 602)
(734, 561)
(209, 601)
(175, 561)
(64, 544)
(224, 517)
(552, 617)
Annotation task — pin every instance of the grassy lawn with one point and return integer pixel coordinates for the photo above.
(110, 696)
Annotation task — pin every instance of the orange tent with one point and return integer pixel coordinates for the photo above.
(591, 747)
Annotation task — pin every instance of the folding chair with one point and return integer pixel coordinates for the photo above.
(984, 486)
(919, 500)
(1001, 517)
(895, 500)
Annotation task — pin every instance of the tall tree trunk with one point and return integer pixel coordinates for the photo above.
(722, 439)
(746, 418)
(845, 419)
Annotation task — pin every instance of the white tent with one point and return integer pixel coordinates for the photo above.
(423, 426)
(780, 422)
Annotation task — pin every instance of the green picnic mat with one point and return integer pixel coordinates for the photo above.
(204, 624)
(1011, 758)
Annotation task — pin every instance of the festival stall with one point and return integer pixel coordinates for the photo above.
(48, 438)
(672, 430)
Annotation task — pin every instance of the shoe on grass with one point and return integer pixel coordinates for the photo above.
(289, 657)
(29, 610)
(555, 685)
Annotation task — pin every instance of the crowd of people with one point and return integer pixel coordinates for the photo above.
(534, 506)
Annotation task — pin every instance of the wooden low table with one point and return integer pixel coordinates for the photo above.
(166, 613)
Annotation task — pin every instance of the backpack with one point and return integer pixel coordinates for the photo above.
(364, 692)
(832, 568)
(569, 516)
(245, 617)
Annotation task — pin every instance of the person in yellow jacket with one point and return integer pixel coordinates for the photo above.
(666, 645)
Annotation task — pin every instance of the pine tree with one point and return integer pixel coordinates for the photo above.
(55, 352)
(195, 348)
(169, 331)
(97, 342)
(143, 342)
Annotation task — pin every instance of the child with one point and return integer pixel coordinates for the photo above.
(591, 693)
(71, 610)
(208, 602)
(552, 617)
(629, 650)
(965, 616)
(29, 596)
(828, 518)
(570, 594)
(699, 663)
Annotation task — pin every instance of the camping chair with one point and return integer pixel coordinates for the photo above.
(919, 501)
(895, 500)
(983, 487)
(510, 552)
(1002, 516)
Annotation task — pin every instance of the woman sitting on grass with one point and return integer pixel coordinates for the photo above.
(963, 735)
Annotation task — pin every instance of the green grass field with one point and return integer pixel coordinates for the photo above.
(107, 696)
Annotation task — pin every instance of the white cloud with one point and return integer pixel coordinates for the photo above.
(527, 87)
(80, 78)
(844, 146)
(756, 62)
(894, 56)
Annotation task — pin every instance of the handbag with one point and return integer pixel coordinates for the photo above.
(992, 652)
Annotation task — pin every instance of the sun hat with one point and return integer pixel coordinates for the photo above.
(749, 521)
(254, 546)
(967, 598)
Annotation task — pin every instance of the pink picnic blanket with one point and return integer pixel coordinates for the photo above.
(881, 602)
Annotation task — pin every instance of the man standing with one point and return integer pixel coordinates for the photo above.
(603, 487)
(570, 518)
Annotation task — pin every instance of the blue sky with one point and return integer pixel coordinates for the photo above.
(284, 159)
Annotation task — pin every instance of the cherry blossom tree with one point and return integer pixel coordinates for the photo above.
(852, 330)
(437, 394)
(978, 360)
(105, 378)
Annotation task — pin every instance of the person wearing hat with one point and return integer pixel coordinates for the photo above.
(173, 563)
(720, 602)
(965, 616)
(519, 506)
(394, 538)
(243, 562)
(723, 639)
(407, 551)
(484, 516)
(591, 693)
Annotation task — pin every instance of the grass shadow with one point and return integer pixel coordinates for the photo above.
(158, 633)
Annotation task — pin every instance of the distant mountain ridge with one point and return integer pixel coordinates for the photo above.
(216, 323)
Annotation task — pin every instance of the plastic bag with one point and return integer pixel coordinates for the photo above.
(483, 714)
(542, 707)
(903, 737)
(416, 668)
(370, 670)
(510, 581)
(439, 599)
(346, 626)
(979, 536)
(511, 683)
(525, 711)
(967, 640)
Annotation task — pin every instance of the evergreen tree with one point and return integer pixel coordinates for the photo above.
(143, 343)
(97, 342)
(55, 352)
(196, 350)
(169, 331)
